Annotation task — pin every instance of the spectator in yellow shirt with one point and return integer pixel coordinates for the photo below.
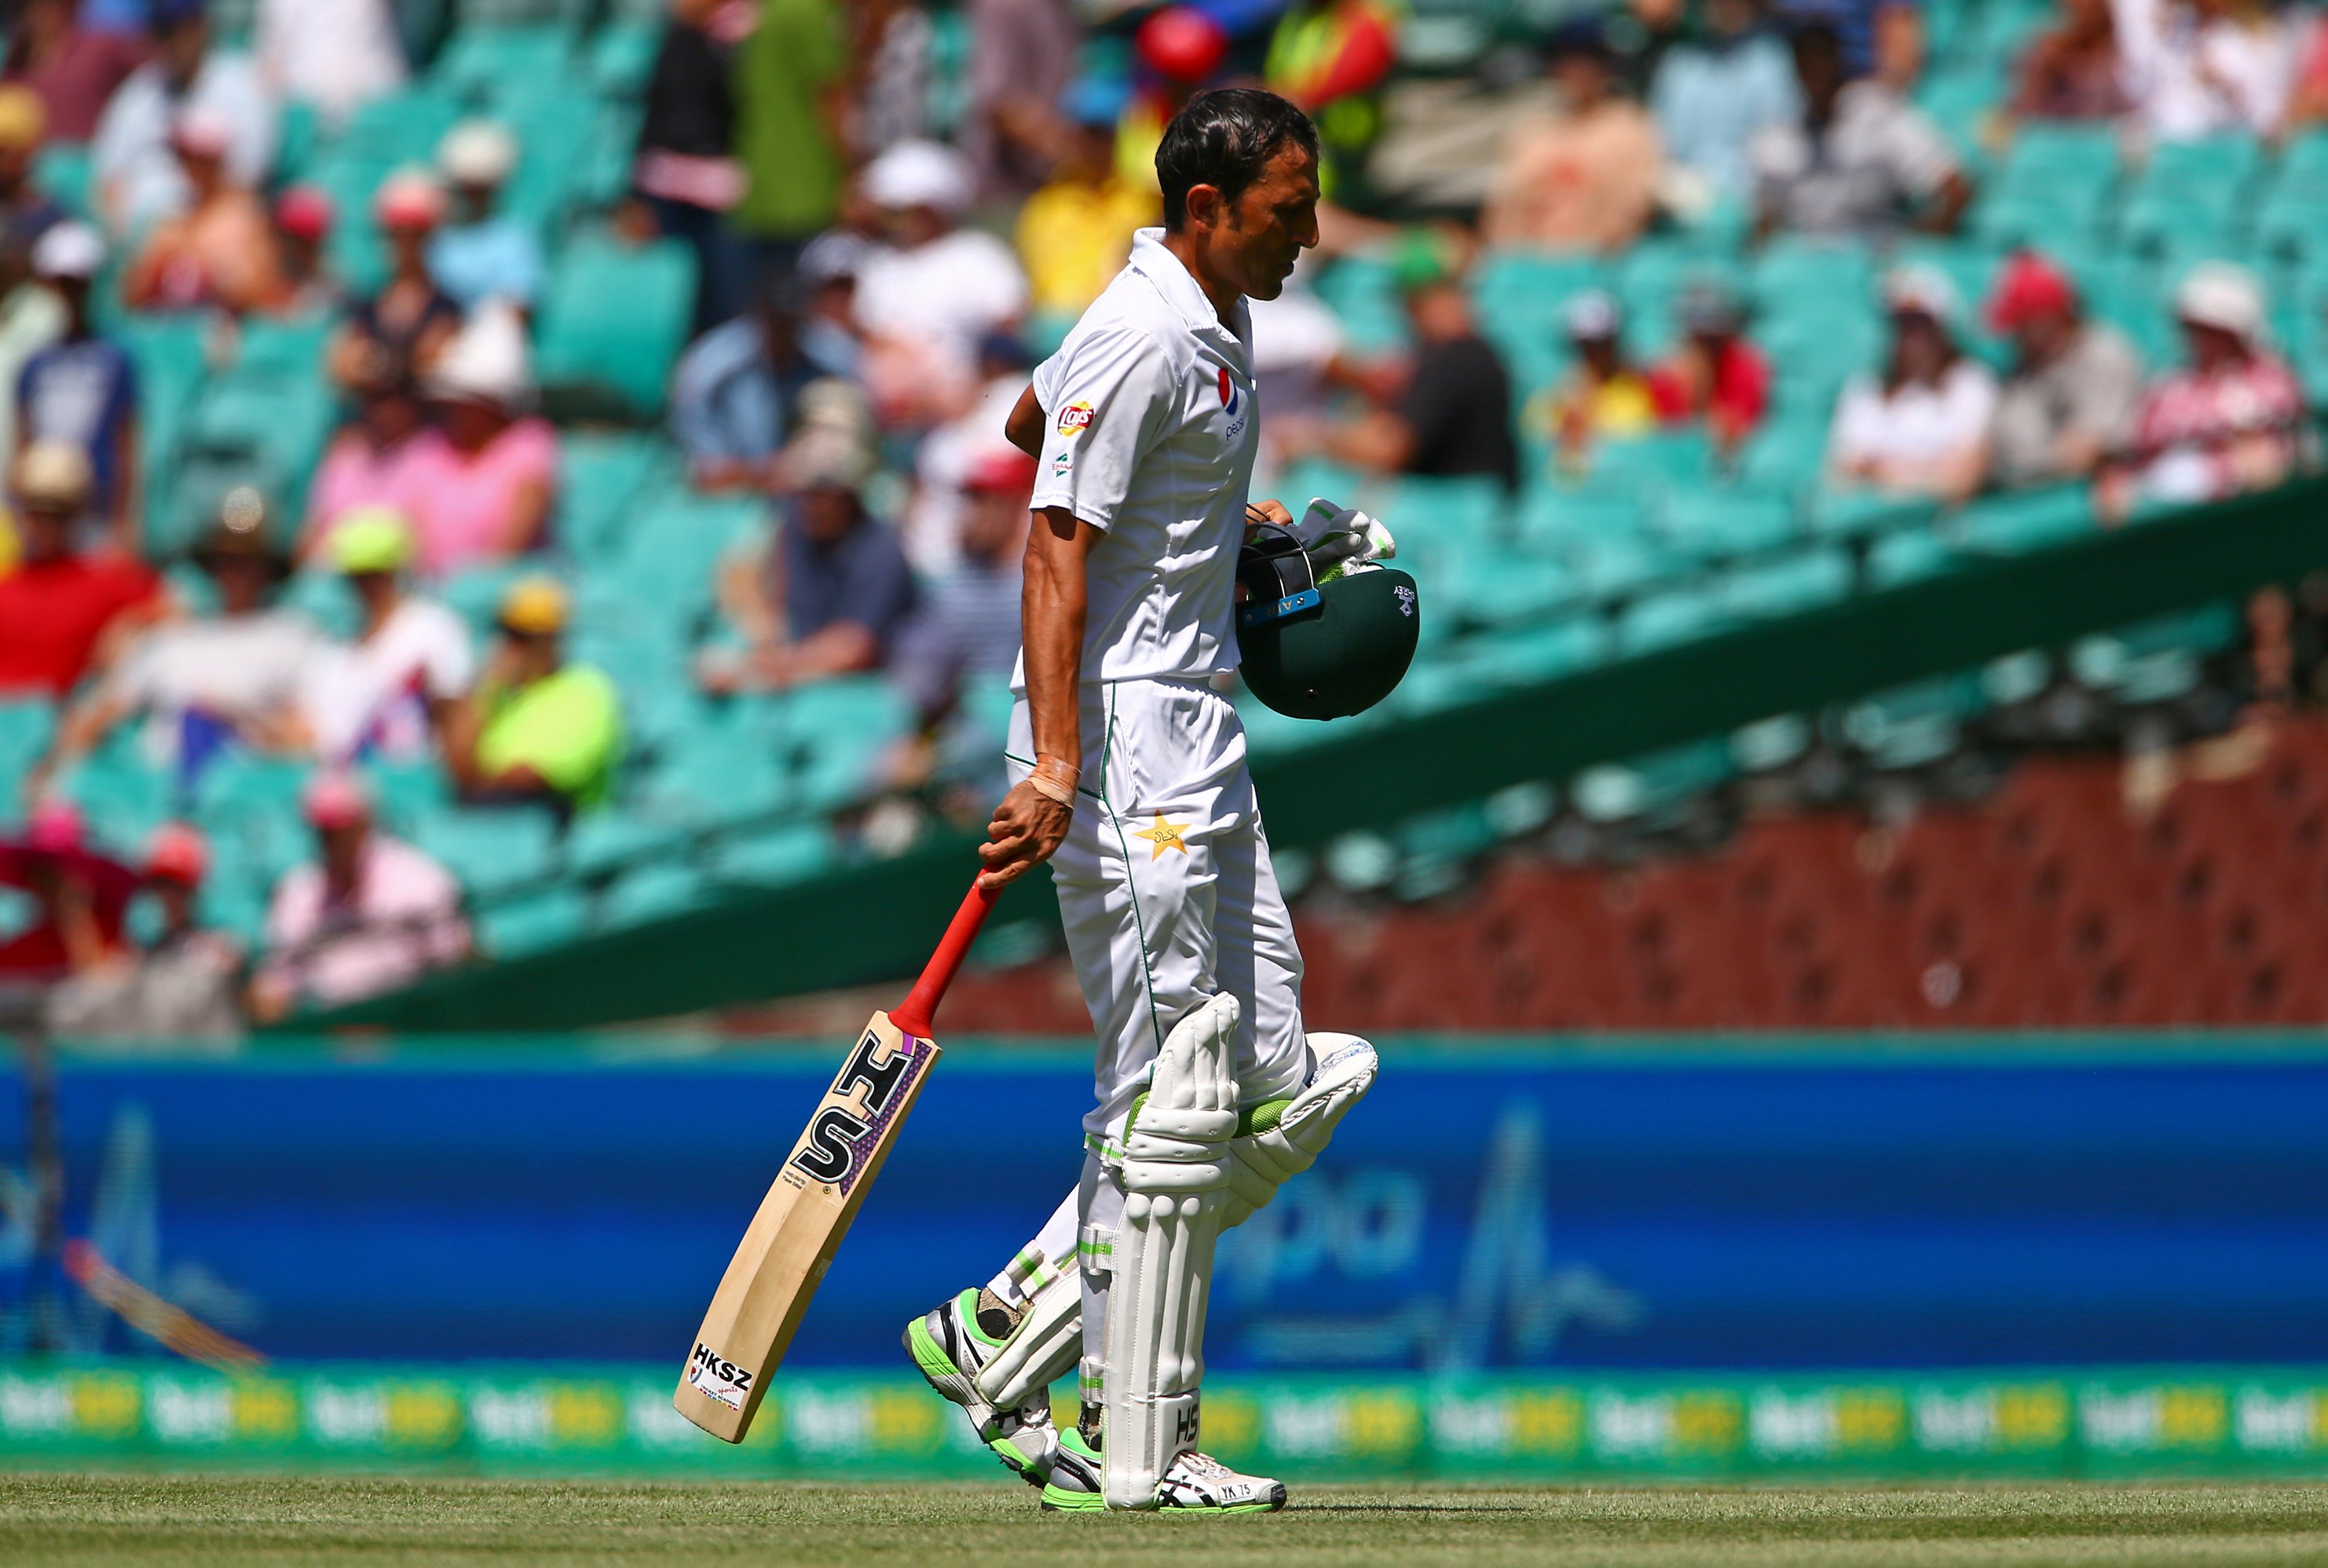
(536, 729)
(1075, 234)
(1604, 397)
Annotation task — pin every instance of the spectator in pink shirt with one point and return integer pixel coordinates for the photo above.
(373, 461)
(369, 914)
(482, 491)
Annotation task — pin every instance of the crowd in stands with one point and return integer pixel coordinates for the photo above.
(883, 214)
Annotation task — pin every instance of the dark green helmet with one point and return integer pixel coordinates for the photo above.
(1321, 651)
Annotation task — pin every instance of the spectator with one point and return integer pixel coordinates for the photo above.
(483, 490)
(64, 612)
(185, 984)
(934, 516)
(734, 395)
(138, 180)
(26, 210)
(73, 69)
(1713, 94)
(685, 172)
(2072, 71)
(1331, 57)
(827, 597)
(1603, 397)
(390, 692)
(219, 250)
(2070, 398)
(335, 56)
(2231, 421)
(1921, 429)
(483, 253)
(789, 79)
(828, 269)
(1863, 160)
(969, 630)
(536, 729)
(2201, 68)
(31, 316)
(81, 390)
(894, 48)
(1715, 374)
(1022, 55)
(1584, 178)
(375, 461)
(368, 915)
(1075, 234)
(926, 297)
(404, 328)
(80, 898)
(303, 216)
(1883, 39)
(213, 682)
(1451, 412)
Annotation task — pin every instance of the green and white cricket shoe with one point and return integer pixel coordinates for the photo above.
(949, 1346)
(1196, 1483)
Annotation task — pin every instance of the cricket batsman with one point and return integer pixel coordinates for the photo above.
(1130, 779)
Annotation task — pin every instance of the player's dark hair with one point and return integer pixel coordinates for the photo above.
(1224, 138)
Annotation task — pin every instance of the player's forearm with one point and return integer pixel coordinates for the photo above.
(1052, 628)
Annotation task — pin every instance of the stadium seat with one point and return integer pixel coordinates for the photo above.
(2014, 523)
(1803, 578)
(650, 892)
(1703, 521)
(493, 849)
(531, 922)
(601, 842)
(481, 62)
(614, 322)
(774, 856)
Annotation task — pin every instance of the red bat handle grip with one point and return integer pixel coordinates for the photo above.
(913, 1015)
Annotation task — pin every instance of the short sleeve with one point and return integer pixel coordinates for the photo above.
(1917, 151)
(1858, 424)
(447, 663)
(1111, 397)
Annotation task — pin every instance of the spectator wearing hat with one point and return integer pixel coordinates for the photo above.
(483, 253)
(138, 177)
(735, 391)
(2231, 420)
(390, 692)
(1604, 395)
(685, 172)
(403, 329)
(1584, 177)
(335, 56)
(218, 251)
(829, 593)
(184, 984)
(303, 216)
(2069, 399)
(1448, 410)
(1713, 93)
(78, 897)
(926, 297)
(932, 516)
(481, 490)
(210, 682)
(2072, 71)
(368, 914)
(791, 75)
(536, 729)
(1716, 373)
(1922, 428)
(73, 69)
(1074, 233)
(1862, 162)
(64, 611)
(375, 460)
(81, 390)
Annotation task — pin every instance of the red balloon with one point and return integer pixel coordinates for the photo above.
(1181, 43)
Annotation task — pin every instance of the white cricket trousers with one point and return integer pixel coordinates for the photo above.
(1166, 891)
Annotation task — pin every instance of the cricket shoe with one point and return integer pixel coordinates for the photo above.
(949, 1346)
(1196, 1483)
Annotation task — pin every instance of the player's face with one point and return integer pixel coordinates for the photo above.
(1272, 224)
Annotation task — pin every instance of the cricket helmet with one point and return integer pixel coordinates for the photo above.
(1320, 650)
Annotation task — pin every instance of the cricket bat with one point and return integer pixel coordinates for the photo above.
(783, 1254)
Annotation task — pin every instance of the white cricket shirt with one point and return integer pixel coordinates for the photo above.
(1149, 432)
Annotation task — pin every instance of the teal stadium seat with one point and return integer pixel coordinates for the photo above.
(493, 849)
(2017, 522)
(1706, 522)
(532, 922)
(480, 62)
(651, 893)
(614, 320)
(1805, 577)
(772, 857)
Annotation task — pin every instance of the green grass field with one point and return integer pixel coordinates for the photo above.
(63, 1520)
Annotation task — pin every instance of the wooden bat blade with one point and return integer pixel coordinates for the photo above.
(800, 1225)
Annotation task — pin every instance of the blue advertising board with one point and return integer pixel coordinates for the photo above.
(1616, 1208)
